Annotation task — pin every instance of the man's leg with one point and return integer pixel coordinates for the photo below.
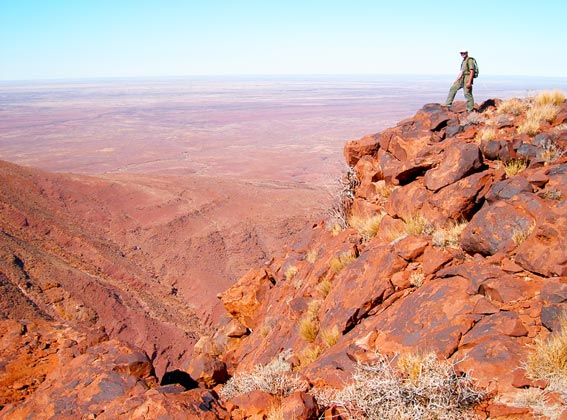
(452, 92)
(469, 98)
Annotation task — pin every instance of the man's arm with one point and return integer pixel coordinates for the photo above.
(471, 74)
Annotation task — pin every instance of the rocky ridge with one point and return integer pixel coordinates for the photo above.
(450, 249)
(447, 247)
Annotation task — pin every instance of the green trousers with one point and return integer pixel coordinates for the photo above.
(460, 84)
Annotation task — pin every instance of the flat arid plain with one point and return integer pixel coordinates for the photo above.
(289, 129)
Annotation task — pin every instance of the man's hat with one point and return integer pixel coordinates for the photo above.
(463, 51)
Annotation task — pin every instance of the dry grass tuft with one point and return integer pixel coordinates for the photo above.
(309, 354)
(330, 336)
(290, 272)
(486, 134)
(548, 360)
(275, 378)
(519, 235)
(544, 107)
(540, 113)
(417, 224)
(324, 287)
(449, 236)
(421, 387)
(311, 256)
(339, 262)
(308, 329)
(383, 189)
(367, 227)
(513, 106)
(529, 127)
(309, 322)
(514, 166)
(416, 278)
(554, 97)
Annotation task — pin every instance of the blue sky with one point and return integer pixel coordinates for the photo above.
(47, 39)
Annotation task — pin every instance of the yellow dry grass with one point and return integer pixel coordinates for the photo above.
(515, 166)
(548, 360)
(553, 97)
(330, 336)
(308, 328)
(367, 227)
(290, 272)
(339, 262)
(513, 106)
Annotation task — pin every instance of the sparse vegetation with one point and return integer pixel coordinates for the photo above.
(514, 166)
(449, 236)
(422, 387)
(330, 336)
(417, 224)
(367, 227)
(554, 97)
(513, 106)
(339, 262)
(538, 400)
(519, 235)
(486, 134)
(552, 152)
(275, 378)
(473, 118)
(290, 272)
(324, 287)
(312, 256)
(342, 199)
(548, 360)
(416, 278)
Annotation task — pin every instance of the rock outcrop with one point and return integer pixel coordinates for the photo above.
(467, 259)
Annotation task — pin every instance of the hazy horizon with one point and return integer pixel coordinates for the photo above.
(287, 128)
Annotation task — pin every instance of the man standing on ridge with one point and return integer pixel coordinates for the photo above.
(464, 80)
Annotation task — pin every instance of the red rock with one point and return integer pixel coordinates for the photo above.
(207, 370)
(300, 406)
(491, 229)
(484, 307)
(545, 250)
(433, 259)
(253, 404)
(242, 299)
(356, 149)
(503, 411)
(459, 161)
(459, 200)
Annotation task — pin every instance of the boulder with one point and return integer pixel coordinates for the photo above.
(242, 299)
(356, 149)
(492, 229)
(459, 161)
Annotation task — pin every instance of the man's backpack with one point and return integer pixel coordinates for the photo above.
(475, 67)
